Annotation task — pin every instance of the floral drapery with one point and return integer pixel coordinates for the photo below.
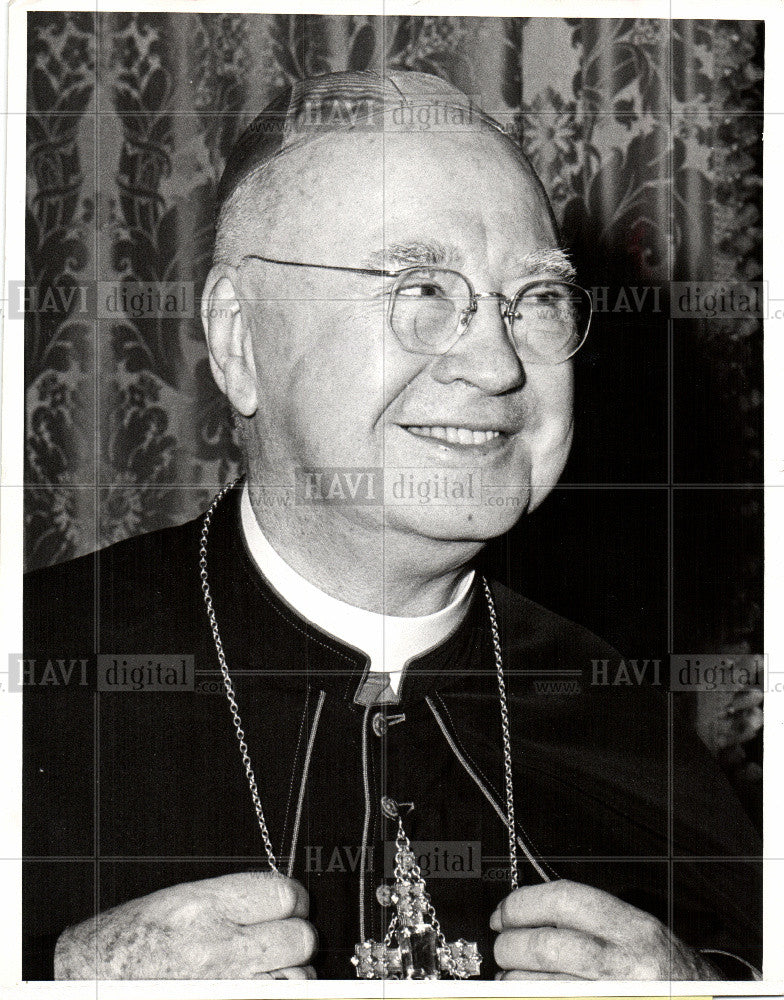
(646, 133)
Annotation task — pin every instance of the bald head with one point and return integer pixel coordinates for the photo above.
(280, 155)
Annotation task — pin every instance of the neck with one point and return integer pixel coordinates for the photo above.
(370, 566)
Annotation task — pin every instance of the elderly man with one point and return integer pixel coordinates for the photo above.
(392, 319)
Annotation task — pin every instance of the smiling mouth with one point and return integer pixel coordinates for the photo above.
(456, 435)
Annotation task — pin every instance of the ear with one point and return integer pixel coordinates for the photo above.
(228, 339)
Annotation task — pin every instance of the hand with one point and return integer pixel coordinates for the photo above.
(564, 930)
(725, 720)
(244, 926)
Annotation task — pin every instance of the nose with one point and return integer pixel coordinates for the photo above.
(484, 356)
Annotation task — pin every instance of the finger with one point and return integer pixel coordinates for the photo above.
(302, 905)
(748, 666)
(277, 944)
(568, 904)
(306, 972)
(550, 949)
(746, 699)
(252, 897)
(739, 728)
(526, 974)
(747, 724)
(740, 734)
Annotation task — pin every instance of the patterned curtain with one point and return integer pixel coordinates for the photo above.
(646, 133)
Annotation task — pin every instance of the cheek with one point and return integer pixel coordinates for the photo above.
(553, 437)
(554, 389)
(550, 426)
(336, 384)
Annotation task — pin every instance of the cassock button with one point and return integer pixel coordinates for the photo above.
(389, 807)
(379, 724)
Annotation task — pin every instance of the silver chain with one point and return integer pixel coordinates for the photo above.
(499, 666)
(227, 684)
(232, 699)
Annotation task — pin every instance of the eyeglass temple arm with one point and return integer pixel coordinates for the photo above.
(324, 267)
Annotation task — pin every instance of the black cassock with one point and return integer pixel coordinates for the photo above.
(129, 792)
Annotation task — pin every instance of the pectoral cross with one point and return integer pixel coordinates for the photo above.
(414, 946)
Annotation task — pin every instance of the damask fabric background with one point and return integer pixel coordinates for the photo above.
(647, 135)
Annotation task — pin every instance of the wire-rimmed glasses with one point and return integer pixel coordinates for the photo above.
(430, 308)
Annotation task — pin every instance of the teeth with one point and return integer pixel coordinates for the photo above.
(456, 435)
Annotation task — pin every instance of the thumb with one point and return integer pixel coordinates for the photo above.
(254, 897)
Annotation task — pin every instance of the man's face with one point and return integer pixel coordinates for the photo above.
(337, 389)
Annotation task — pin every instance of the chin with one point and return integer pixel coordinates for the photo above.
(477, 523)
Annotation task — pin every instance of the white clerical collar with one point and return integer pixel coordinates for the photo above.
(389, 642)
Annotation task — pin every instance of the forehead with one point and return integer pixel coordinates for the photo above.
(354, 193)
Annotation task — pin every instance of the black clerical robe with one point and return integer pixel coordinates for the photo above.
(127, 792)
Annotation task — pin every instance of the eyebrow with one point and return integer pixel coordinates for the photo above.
(427, 253)
(552, 262)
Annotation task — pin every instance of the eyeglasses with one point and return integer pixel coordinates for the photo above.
(430, 308)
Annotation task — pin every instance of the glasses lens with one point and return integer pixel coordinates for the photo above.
(428, 306)
(550, 321)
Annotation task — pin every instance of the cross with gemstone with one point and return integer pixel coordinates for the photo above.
(416, 956)
(414, 946)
